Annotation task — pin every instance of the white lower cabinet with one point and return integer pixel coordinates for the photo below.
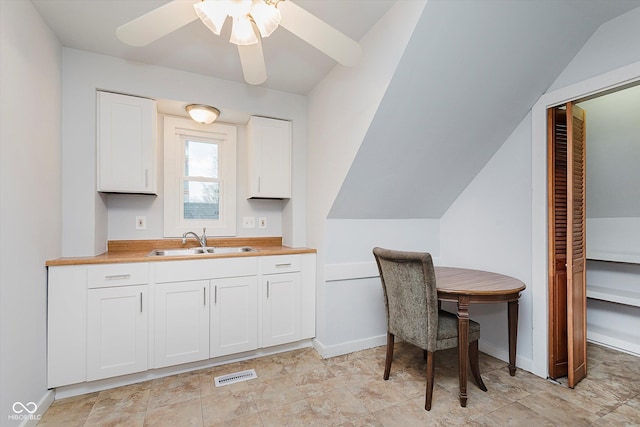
(66, 325)
(181, 322)
(234, 315)
(280, 308)
(117, 323)
(107, 320)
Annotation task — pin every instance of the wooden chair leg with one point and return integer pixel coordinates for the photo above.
(430, 373)
(389, 358)
(474, 360)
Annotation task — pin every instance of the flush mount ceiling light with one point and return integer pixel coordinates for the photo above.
(205, 114)
(252, 20)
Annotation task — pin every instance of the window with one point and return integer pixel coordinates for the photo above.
(199, 178)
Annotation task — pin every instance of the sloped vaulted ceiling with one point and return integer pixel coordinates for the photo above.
(469, 75)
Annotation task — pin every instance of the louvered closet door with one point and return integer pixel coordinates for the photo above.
(567, 245)
(576, 245)
(557, 179)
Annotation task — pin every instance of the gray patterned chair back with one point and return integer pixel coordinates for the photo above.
(410, 296)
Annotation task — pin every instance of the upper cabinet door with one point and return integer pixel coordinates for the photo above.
(269, 143)
(127, 135)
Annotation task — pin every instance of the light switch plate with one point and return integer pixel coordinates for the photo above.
(141, 223)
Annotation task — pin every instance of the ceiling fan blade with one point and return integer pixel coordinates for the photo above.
(319, 34)
(157, 23)
(252, 60)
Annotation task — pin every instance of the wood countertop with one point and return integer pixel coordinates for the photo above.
(120, 251)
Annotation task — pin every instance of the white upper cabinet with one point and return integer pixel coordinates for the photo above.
(269, 147)
(127, 139)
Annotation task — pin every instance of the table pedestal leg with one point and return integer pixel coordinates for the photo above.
(463, 346)
(513, 335)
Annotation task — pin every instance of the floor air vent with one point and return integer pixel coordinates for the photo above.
(236, 377)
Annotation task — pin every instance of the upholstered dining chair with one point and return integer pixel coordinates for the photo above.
(411, 301)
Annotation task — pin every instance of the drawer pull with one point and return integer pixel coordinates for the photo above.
(288, 264)
(117, 277)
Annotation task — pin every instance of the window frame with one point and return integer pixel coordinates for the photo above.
(176, 131)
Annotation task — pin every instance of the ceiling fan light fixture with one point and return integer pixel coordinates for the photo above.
(201, 113)
(212, 14)
(266, 16)
(242, 32)
(237, 8)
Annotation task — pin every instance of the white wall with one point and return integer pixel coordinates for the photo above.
(30, 222)
(613, 154)
(489, 228)
(613, 181)
(613, 45)
(354, 304)
(340, 110)
(86, 213)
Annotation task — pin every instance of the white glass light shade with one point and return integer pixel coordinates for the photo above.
(242, 32)
(267, 17)
(212, 14)
(238, 8)
(202, 113)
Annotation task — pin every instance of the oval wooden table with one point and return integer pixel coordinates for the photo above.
(465, 287)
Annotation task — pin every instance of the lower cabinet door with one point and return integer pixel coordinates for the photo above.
(182, 322)
(117, 324)
(280, 308)
(234, 315)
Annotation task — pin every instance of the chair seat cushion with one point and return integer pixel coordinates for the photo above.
(448, 330)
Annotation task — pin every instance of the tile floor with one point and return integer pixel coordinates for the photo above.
(300, 388)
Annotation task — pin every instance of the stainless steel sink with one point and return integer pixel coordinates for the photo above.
(201, 251)
(177, 252)
(232, 250)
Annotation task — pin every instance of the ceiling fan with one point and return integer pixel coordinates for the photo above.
(252, 20)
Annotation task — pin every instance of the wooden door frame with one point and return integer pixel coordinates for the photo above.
(539, 272)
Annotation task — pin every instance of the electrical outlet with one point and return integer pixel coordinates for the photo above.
(249, 222)
(262, 222)
(141, 223)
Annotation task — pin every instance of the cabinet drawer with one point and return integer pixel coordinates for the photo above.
(108, 275)
(180, 271)
(280, 264)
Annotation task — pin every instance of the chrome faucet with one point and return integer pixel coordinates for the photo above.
(202, 240)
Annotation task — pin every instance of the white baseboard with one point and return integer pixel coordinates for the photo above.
(31, 420)
(327, 351)
(613, 342)
(523, 363)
